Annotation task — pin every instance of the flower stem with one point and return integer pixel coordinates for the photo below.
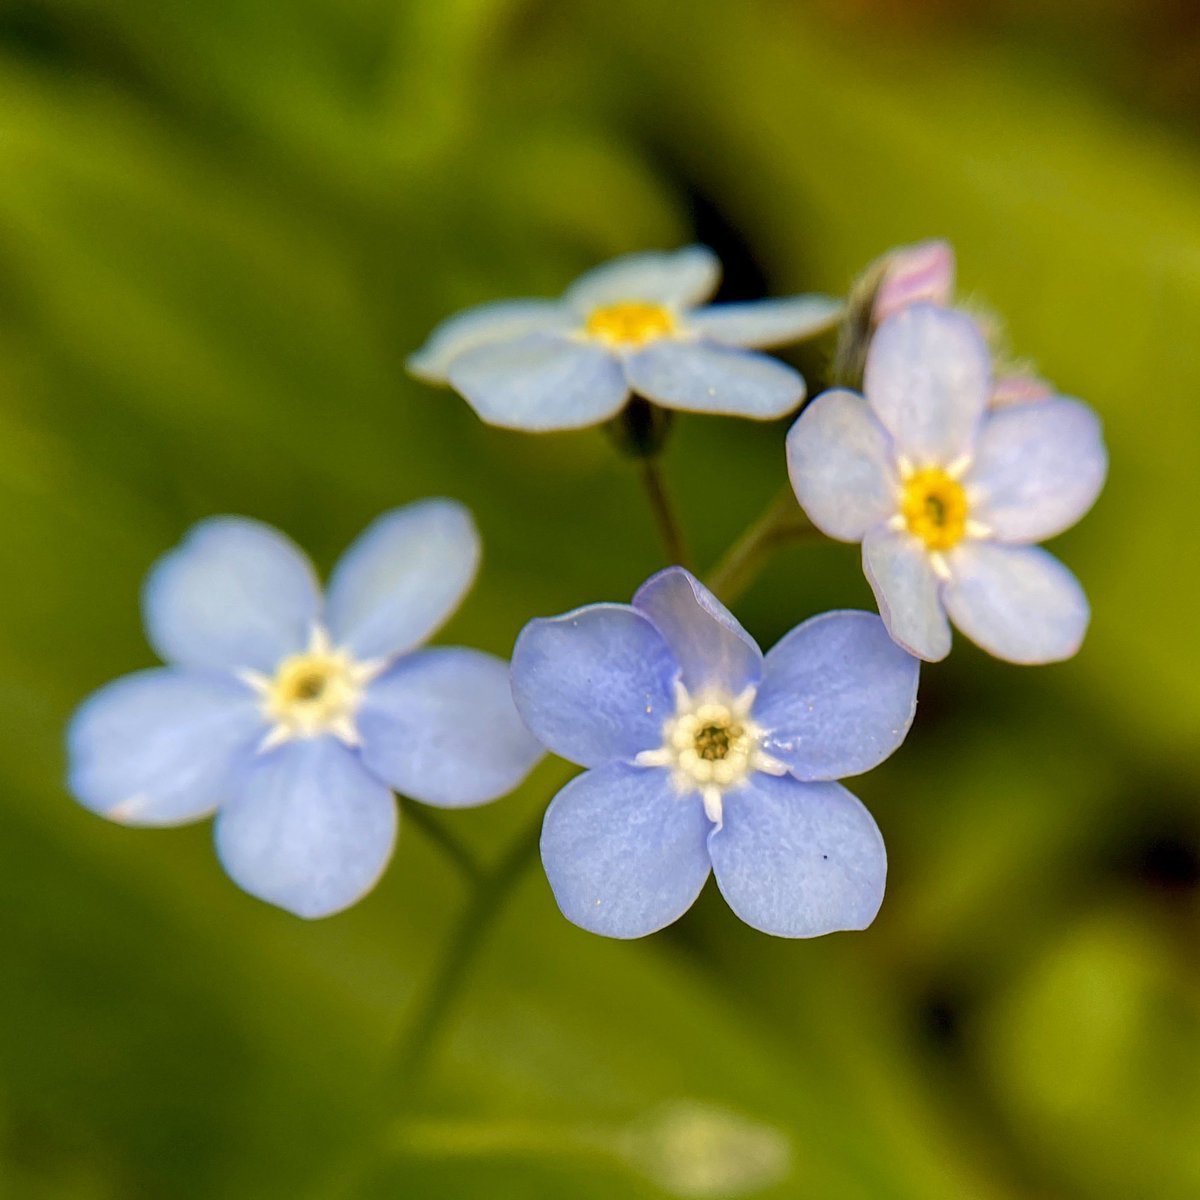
(436, 832)
(640, 432)
(665, 518)
(485, 906)
(781, 522)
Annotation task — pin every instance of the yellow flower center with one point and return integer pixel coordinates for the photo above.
(313, 692)
(630, 323)
(934, 507)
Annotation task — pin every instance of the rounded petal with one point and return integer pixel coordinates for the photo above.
(594, 685)
(673, 278)
(540, 382)
(624, 852)
(402, 578)
(481, 326)
(441, 727)
(766, 322)
(309, 829)
(908, 593)
(798, 859)
(842, 466)
(838, 696)
(924, 271)
(928, 378)
(706, 640)
(1016, 602)
(157, 748)
(234, 593)
(702, 377)
(1038, 468)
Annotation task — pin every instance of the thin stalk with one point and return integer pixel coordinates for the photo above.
(781, 522)
(665, 517)
(470, 931)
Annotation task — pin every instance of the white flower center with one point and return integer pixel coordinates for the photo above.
(711, 745)
(315, 692)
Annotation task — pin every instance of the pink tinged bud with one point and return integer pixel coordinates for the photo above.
(1020, 389)
(922, 272)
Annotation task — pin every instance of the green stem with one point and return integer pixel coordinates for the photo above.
(436, 832)
(486, 904)
(781, 522)
(665, 518)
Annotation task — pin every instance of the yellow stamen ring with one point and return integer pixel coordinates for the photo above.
(630, 323)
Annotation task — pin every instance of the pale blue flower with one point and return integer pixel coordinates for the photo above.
(637, 324)
(703, 754)
(291, 715)
(948, 496)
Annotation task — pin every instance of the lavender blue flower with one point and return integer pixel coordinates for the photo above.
(947, 497)
(632, 325)
(292, 716)
(704, 755)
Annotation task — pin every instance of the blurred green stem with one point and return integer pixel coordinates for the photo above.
(781, 522)
(640, 432)
(665, 517)
(491, 889)
(445, 841)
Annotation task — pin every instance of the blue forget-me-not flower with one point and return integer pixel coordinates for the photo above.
(703, 754)
(637, 324)
(948, 497)
(292, 715)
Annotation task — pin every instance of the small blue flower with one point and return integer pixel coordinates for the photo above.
(632, 325)
(704, 755)
(291, 715)
(947, 497)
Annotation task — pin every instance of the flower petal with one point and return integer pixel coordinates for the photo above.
(842, 466)
(625, 854)
(234, 593)
(838, 696)
(540, 382)
(157, 748)
(766, 322)
(1017, 602)
(798, 859)
(402, 578)
(907, 592)
(482, 325)
(441, 727)
(928, 378)
(924, 271)
(706, 640)
(308, 829)
(714, 379)
(595, 684)
(1038, 468)
(674, 278)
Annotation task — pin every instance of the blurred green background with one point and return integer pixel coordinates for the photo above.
(223, 225)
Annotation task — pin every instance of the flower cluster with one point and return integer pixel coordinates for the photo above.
(293, 716)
